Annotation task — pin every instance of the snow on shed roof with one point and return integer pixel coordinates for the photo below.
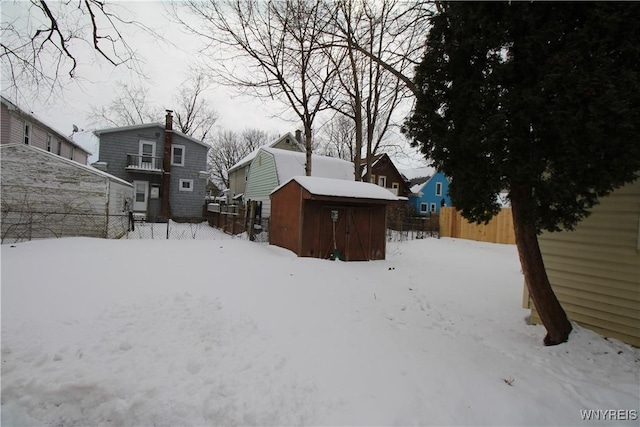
(292, 163)
(340, 188)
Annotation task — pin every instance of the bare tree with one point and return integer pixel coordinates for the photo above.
(42, 41)
(339, 138)
(130, 107)
(194, 115)
(376, 36)
(228, 147)
(272, 49)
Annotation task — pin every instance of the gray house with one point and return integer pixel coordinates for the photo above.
(45, 195)
(167, 169)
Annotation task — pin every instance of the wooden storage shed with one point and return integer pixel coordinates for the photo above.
(322, 217)
(45, 195)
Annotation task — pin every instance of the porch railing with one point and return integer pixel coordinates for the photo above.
(144, 163)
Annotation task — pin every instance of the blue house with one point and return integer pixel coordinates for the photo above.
(428, 197)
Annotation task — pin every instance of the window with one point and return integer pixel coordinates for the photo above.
(186, 185)
(423, 208)
(49, 143)
(395, 186)
(147, 151)
(72, 152)
(177, 155)
(59, 152)
(438, 189)
(433, 208)
(372, 179)
(27, 132)
(382, 181)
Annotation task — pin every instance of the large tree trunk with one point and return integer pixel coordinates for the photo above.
(544, 299)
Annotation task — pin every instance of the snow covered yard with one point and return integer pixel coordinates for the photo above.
(229, 332)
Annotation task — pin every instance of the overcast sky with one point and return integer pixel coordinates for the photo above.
(165, 68)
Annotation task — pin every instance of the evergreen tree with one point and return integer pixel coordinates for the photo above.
(542, 99)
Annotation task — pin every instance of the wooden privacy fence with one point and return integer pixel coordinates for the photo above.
(498, 230)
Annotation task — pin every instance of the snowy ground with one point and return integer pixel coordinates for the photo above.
(229, 332)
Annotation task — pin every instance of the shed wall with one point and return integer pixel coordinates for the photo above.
(44, 196)
(595, 270)
(284, 224)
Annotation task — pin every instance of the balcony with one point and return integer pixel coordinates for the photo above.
(144, 163)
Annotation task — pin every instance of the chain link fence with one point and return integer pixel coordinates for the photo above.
(20, 226)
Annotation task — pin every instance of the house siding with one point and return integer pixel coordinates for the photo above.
(429, 194)
(12, 132)
(238, 175)
(68, 199)
(263, 178)
(595, 269)
(186, 205)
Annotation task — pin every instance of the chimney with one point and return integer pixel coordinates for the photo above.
(299, 136)
(166, 165)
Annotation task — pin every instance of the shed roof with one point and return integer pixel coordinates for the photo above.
(319, 186)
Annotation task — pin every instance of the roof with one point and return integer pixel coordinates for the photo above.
(89, 169)
(421, 172)
(99, 132)
(340, 188)
(292, 163)
(249, 157)
(13, 107)
(419, 187)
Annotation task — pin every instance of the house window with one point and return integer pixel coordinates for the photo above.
(423, 208)
(147, 152)
(372, 179)
(72, 152)
(394, 187)
(49, 143)
(433, 208)
(438, 189)
(59, 151)
(177, 155)
(186, 185)
(27, 132)
(382, 181)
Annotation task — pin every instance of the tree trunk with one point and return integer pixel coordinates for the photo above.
(544, 299)
(308, 149)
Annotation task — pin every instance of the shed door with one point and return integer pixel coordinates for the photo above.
(352, 233)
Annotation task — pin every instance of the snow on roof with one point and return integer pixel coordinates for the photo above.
(340, 188)
(292, 163)
(424, 171)
(249, 157)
